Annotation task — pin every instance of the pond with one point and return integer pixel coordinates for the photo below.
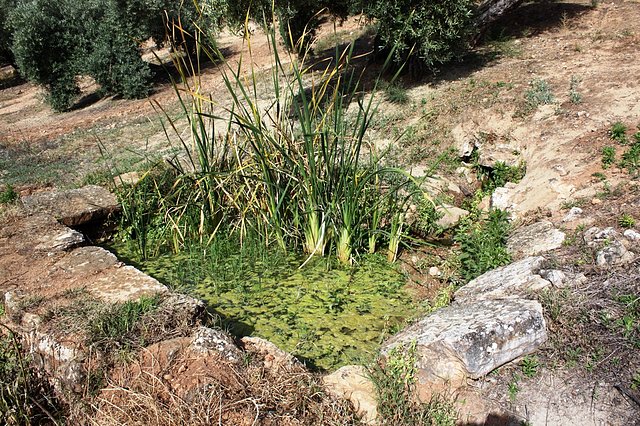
(326, 314)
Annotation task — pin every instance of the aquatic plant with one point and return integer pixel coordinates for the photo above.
(298, 170)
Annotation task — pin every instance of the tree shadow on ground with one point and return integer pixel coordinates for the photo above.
(494, 419)
(525, 21)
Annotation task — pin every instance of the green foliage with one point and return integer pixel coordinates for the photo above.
(538, 94)
(430, 33)
(608, 156)
(618, 132)
(500, 174)
(396, 93)
(395, 387)
(631, 158)
(626, 221)
(55, 41)
(26, 398)
(483, 244)
(530, 365)
(304, 180)
(574, 96)
(112, 326)
(8, 195)
(6, 56)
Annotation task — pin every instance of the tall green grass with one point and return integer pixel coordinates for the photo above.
(297, 170)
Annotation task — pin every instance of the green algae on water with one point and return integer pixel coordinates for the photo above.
(325, 314)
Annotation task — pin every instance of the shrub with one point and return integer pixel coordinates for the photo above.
(43, 45)
(618, 132)
(430, 33)
(5, 33)
(8, 195)
(55, 41)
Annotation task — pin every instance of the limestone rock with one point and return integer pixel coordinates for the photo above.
(573, 214)
(632, 235)
(207, 340)
(555, 277)
(502, 199)
(352, 382)
(518, 279)
(535, 239)
(63, 240)
(614, 254)
(124, 284)
(458, 342)
(74, 207)
(274, 357)
(451, 216)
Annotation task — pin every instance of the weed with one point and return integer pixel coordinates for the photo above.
(513, 389)
(26, 398)
(635, 381)
(112, 327)
(396, 93)
(8, 194)
(618, 132)
(626, 221)
(574, 96)
(600, 176)
(538, 94)
(500, 174)
(483, 244)
(395, 386)
(631, 158)
(608, 156)
(529, 366)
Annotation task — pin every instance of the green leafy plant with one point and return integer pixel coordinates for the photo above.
(424, 33)
(483, 244)
(529, 366)
(574, 96)
(608, 156)
(8, 195)
(513, 388)
(618, 132)
(538, 94)
(626, 221)
(631, 158)
(500, 174)
(302, 180)
(395, 387)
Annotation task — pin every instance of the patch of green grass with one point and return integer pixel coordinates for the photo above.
(395, 388)
(631, 158)
(500, 174)
(396, 93)
(618, 132)
(600, 176)
(8, 194)
(608, 156)
(112, 326)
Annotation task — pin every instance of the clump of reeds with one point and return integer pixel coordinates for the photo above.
(296, 171)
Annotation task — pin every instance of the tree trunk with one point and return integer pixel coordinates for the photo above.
(490, 10)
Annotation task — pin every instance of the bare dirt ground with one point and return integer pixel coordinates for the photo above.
(559, 42)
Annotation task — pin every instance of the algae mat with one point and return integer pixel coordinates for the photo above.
(325, 314)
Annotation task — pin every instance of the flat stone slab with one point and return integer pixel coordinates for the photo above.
(455, 343)
(516, 280)
(75, 206)
(124, 284)
(535, 239)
